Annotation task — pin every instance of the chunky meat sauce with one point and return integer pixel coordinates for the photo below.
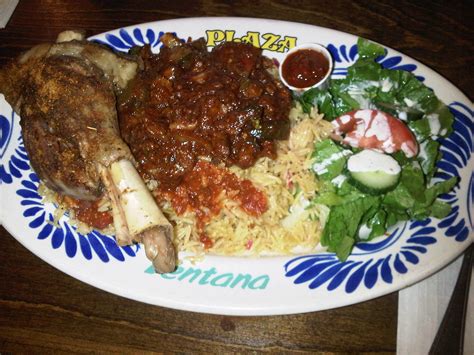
(188, 104)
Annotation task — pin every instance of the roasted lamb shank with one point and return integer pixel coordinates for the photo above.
(65, 94)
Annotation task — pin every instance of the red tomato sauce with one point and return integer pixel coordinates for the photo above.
(206, 241)
(304, 68)
(88, 212)
(202, 189)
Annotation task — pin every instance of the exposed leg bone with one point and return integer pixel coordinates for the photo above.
(143, 220)
(159, 249)
(122, 234)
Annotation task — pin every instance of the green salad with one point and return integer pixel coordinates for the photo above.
(367, 190)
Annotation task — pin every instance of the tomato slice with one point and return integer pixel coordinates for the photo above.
(374, 129)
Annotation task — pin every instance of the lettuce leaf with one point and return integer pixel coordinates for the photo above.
(342, 225)
(369, 50)
(414, 200)
(400, 93)
(429, 155)
(329, 159)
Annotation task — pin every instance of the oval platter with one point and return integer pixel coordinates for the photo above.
(250, 286)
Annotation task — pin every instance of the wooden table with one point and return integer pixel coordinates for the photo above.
(42, 309)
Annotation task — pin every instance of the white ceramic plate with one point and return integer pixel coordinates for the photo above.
(257, 286)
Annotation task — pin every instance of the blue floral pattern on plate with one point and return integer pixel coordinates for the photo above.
(62, 234)
(345, 56)
(457, 150)
(13, 163)
(124, 40)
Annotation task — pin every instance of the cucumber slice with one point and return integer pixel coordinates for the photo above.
(373, 172)
(374, 183)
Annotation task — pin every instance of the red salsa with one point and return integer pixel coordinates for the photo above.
(88, 212)
(202, 189)
(206, 241)
(304, 68)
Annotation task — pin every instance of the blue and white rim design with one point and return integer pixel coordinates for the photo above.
(12, 163)
(345, 56)
(62, 234)
(388, 257)
(457, 150)
(124, 40)
(326, 269)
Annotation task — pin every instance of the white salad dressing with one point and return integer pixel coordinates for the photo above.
(379, 127)
(345, 119)
(409, 103)
(365, 115)
(321, 168)
(370, 126)
(388, 146)
(339, 180)
(407, 150)
(371, 160)
(364, 231)
(375, 127)
(386, 85)
(422, 151)
(358, 93)
(435, 125)
(402, 115)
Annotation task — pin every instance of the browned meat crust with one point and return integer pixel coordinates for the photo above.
(62, 108)
(65, 94)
